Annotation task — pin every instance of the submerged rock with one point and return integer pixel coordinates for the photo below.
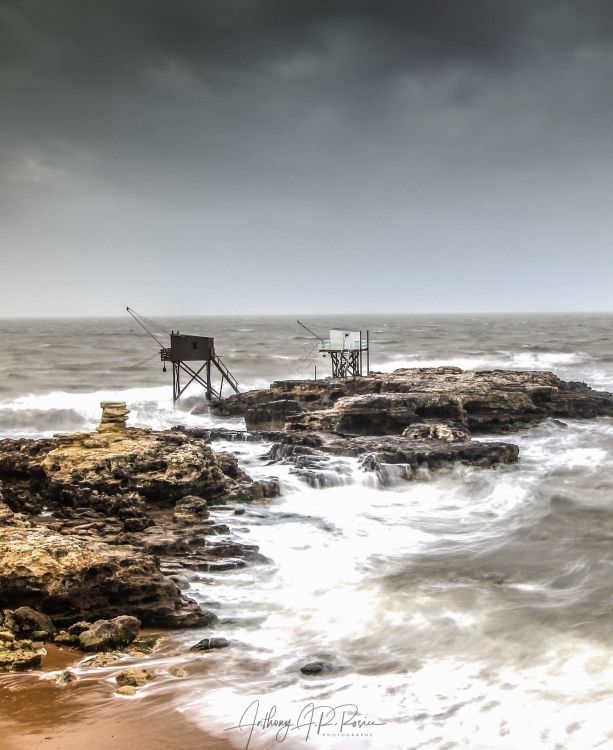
(66, 678)
(209, 644)
(313, 667)
(126, 690)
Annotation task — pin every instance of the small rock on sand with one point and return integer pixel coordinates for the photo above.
(133, 677)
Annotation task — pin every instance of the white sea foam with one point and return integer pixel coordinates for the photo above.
(499, 359)
(60, 411)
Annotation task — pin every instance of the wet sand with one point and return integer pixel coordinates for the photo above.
(37, 713)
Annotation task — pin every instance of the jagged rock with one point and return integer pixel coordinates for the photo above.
(271, 415)
(8, 518)
(489, 400)
(19, 655)
(133, 677)
(108, 634)
(95, 556)
(116, 473)
(75, 579)
(103, 659)
(392, 449)
(190, 509)
(145, 644)
(447, 431)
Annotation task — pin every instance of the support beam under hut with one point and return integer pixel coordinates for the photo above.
(194, 360)
(349, 353)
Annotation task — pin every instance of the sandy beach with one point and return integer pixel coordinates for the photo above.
(89, 716)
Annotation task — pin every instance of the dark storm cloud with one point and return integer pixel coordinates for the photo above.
(262, 127)
(100, 39)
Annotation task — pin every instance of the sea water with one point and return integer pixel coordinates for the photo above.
(470, 608)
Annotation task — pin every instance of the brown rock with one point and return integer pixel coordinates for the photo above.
(126, 690)
(107, 634)
(133, 677)
(65, 574)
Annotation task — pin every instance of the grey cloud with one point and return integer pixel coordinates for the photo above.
(429, 134)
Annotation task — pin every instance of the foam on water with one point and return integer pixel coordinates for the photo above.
(60, 411)
(470, 608)
(444, 654)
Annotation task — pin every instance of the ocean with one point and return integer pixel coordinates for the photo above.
(470, 608)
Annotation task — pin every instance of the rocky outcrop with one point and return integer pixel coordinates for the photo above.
(272, 415)
(309, 454)
(488, 401)
(119, 471)
(379, 414)
(19, 655)
(98, 525)
(72, 579)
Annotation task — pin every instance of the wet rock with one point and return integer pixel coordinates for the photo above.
(209, 644)
(126, 690)
(378, 414)
(376, 451)
(40, 635)
(133, 466)
(313, 667)
(146, 644)
(19, 655)
(133, 678)
(178, 672)
(66, 678)
(106, 634)
(103, 659)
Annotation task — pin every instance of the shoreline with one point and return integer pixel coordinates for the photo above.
(89, 716)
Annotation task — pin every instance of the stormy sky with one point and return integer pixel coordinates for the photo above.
(279, 156)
